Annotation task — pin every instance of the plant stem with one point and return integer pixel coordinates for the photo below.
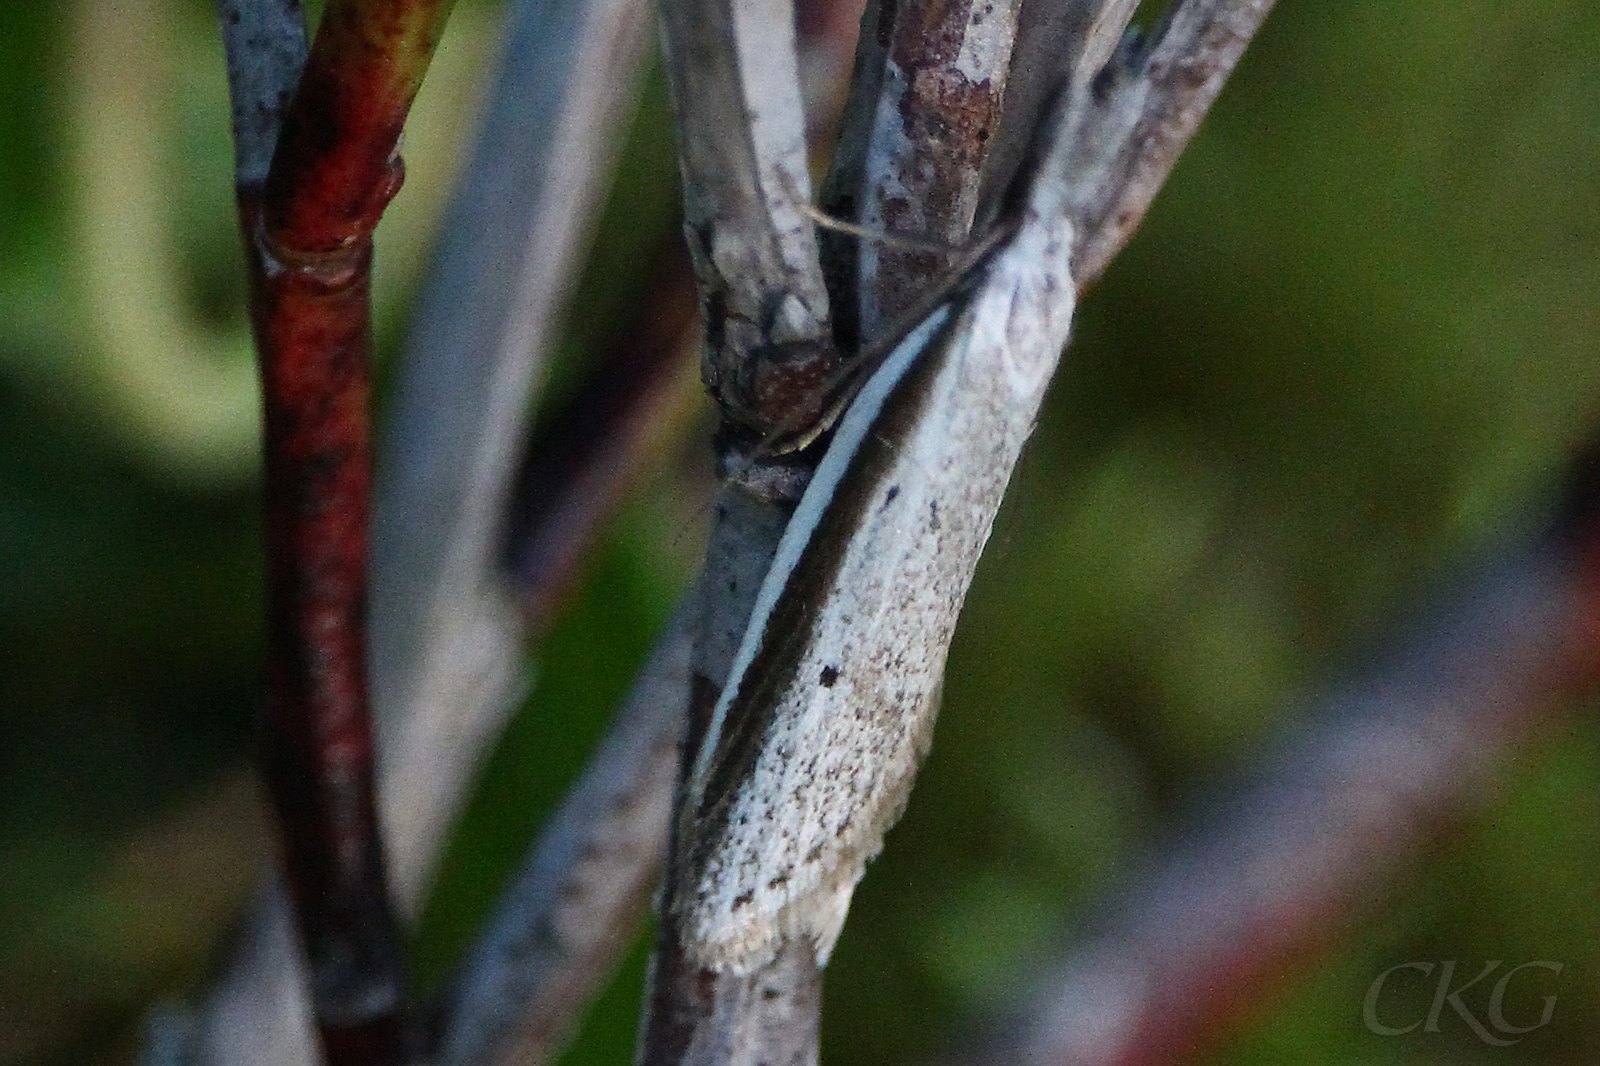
(565, 920)
(930, 89)
(318, 749)
(578, 469)
(446, 641)
(333, 171)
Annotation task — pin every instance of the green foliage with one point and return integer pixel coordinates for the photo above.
(1355, 337)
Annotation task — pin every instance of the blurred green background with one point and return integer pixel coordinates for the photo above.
(1355, 338)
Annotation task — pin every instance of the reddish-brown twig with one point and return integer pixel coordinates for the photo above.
(309, 229)
(444, 641)
(930, 86)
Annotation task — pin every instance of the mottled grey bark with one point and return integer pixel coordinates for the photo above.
(559, 930)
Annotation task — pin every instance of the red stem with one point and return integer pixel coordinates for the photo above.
(312, 331)
(309, 228)
(335, 168)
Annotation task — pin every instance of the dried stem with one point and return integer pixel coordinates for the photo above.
(694, 1014)
(257, 1009)
(566, 920)
(448, 641)
(1380, 765)
(580, 467)
(930, 84)
(734, 73)
(1190, 62)
(577, 468)
(574, 474)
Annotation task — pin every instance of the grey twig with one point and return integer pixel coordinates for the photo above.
(695, 1014)
(265, 45)
(572, 911)
(1377, 768)
(1190, 60)
(734, 73)
(258, 1008)
(446, 635)
(926, 103)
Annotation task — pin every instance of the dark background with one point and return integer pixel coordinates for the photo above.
(1355, 339)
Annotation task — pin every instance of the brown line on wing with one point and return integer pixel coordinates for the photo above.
(803, 428)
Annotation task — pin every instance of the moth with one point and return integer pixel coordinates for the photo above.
(829, 705)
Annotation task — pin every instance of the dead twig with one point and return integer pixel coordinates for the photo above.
(571, 912)
(734, 73)
(930, 85)
(1186, 69)
(1054, 40)
(448, 638)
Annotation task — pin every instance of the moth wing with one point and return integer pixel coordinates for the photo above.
(848, 728)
